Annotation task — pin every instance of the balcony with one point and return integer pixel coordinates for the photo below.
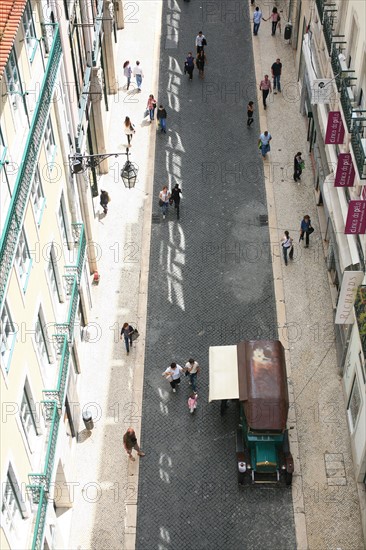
(73, 292)
(328, 30)
(346, 102)
(360, 311)
(320, 6)
(58, 394)
(358, 142)
(23, 184)
(39, 497)
(78, 233)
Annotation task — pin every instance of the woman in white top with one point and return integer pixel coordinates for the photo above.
(173, 374)
(164, 197)
(287, 245)
(129, 129)
(193, 368)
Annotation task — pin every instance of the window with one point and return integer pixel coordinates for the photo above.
(49, 141)
(38, 199)
(27, 413)
(14, 91)
(12, 508)
(41, 337)
(7, 332)
(23, 260)
(62, 220)
(29, 31)
(354, 404)
(53, 274)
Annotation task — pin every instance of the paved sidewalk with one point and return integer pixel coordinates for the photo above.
(326, 492)
(106, 491)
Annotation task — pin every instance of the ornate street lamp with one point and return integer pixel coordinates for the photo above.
(80, 163)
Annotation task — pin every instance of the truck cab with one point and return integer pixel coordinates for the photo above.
(254, 373)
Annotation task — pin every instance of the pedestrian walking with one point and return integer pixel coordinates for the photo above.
(276, 75)
(139, 75)
(126, 334)
(130, 443)
(266, 87)
(192, 402)
(200, 64)
(287, 246)
(193, 368)
(172, 374)
(257, 18)
(104, 200)
(151, 106)
(189, 65)
(127, 71)
(164, 197)
(175, 197)
(263, 143)
(299, 165)
(250, 113)
(129, 130)
(161, 116)
(275, 18)
(306, 229)
(201, 41)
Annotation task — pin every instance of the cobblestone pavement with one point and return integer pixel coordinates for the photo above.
(210, 283)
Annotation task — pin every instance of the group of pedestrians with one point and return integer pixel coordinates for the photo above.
(167, 198)
(191, 370)
(190, 62)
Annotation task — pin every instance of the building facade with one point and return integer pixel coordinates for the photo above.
(57, 69)
(330, 42)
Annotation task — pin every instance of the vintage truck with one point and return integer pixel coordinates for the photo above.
(254, 373)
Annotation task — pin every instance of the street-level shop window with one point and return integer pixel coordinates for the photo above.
(29, 31)
(354, 405)
(23, 261)
(12, 508)
(7, 335)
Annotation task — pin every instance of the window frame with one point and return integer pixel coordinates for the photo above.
(30, 37)
(10, 336)
(38, 198)
(53, 274)
(27, 417)
(15, 506)
(40, 337)
(14, 90)
(49, 143)
(23, 260)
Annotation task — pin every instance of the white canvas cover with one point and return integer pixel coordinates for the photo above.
(223, 373)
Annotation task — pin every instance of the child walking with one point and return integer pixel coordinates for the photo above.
(192, 402)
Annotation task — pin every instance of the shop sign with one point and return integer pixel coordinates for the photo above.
(321, 91)
(356, 218)
(345, 174)
(335, 129)
(351, 280)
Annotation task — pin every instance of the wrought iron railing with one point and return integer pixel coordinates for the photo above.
(360, 310)
(328, 29)
(336, 66)
(58, 394)
(72, 291)
(78, 233)
(358, 147)
(40, 497)
(346, 102)
(23, 184)
(320, 6)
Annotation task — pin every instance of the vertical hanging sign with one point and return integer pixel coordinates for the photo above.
(335, 129)
(356, 218)
(345, 174)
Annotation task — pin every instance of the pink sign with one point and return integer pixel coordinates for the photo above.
(335, 129)
(345, 174)
(356, 218)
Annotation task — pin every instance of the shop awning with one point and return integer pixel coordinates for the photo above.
(223, 373)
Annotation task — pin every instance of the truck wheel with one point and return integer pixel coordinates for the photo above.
(288, 478)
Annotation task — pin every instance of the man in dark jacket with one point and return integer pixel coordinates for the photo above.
(161, 116)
